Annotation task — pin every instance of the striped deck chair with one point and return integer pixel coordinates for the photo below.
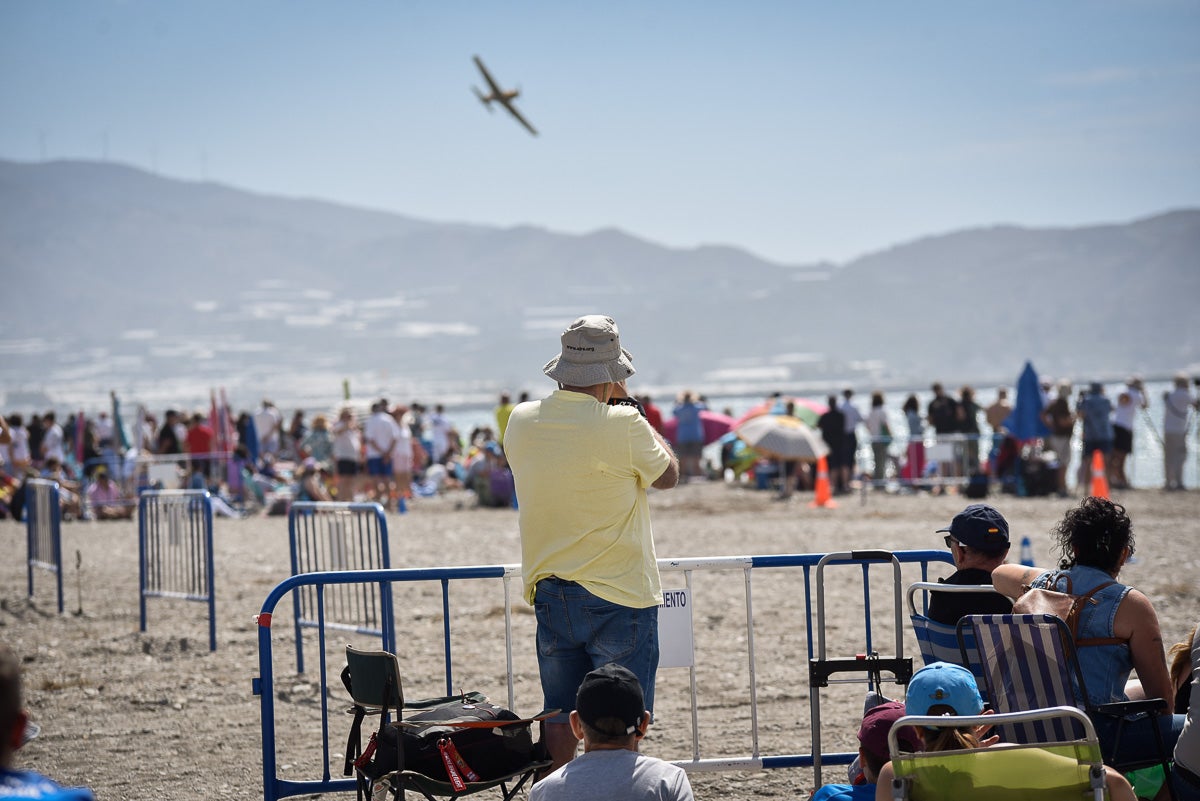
(1031, 772)
(938, 642)
(1029, 662)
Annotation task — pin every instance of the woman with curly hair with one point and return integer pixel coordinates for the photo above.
(1118, 628)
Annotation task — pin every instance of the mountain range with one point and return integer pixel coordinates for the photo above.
(117, 278)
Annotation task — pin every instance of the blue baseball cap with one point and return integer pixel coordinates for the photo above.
(943, 684)
(979, 526)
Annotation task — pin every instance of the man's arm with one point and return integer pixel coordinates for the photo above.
(670, 476)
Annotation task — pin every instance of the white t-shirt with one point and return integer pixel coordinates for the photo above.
(380, 433)
(18, 449)
(267, 421)
(1175, 412)
(1123, 414)
(52, 443)
(876, 420)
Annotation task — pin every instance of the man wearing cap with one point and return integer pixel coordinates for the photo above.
(15, 731)
(582, 459)
(873, 752)
(978, 540)
(611, 719)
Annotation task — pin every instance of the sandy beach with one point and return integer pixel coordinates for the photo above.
(136, 715)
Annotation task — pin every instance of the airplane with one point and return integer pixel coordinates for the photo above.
(504, 98)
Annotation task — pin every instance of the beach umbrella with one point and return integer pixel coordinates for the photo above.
(716, 425)
(120, 435)
(1025, 420)
(251, 442)
(809, 411)
(782, 437)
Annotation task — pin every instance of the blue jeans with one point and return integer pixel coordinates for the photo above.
(578, 632)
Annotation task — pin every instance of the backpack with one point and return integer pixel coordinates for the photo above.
(457, 743)
(1064, 605)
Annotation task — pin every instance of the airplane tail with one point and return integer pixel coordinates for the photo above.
(484, 99)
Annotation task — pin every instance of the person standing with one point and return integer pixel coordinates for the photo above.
(380, 435)
(689, 433)
(914, 467)
(503, 412)
(943, 417)
(582, 460)
(852, 417)
(1129, 402)
(268, 422)
(347, 455)
(1095, 410)
(1177, 408)
(968, 425)
(833, 431)
(881, 437)
(1058, 418)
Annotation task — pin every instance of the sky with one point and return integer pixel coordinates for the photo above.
(800, 131)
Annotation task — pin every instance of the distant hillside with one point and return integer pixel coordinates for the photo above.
(135, 280)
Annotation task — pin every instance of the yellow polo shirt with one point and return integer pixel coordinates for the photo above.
(581, 470)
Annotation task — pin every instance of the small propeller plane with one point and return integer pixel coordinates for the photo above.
(504, 98)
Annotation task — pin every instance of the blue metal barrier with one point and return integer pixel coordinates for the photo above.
(275, 787)
(43, 531)
(325, 537)
(175, 551)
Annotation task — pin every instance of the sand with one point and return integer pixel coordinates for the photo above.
(137, 715)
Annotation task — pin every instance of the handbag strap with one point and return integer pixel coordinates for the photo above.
(1091, 641)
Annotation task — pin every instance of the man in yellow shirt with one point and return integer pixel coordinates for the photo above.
(582, 459)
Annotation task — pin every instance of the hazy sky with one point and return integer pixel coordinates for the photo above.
(798, 130)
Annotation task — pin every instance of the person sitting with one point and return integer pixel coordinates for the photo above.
(943, 688)
(105, 499)
(1118, 629)
(610, 716)
(978, 540)
(872, 752)
(310, 484)
(15, 731)
(68, 487)
(1187, 749)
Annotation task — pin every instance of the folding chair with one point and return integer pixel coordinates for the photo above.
(1030, 662)
(937, 641)
(1030, 772)
(373, 681)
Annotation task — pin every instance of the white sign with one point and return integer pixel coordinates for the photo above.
(675, 629)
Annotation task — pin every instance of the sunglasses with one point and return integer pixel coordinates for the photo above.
(950, 541)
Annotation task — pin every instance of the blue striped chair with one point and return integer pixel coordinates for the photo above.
(938, 642)
(1029, 662)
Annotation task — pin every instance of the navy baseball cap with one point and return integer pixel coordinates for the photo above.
(611, 695)
(979, 526)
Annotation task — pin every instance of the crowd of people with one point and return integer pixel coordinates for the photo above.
(252, 461)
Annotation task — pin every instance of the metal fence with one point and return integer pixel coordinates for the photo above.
(43, 530)
(339, 536)
(275, 786)
(175, 551)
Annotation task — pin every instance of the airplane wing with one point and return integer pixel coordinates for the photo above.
(487, 76)
(513, 111)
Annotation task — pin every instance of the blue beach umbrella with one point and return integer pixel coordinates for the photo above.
(1025, 421)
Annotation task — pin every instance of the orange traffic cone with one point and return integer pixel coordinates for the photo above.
(1099, 478)
(824, 496)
